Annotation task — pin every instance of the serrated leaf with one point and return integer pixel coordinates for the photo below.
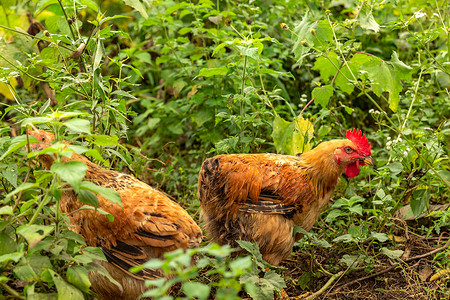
(326, 65)
(208, 72)
(72, 172)
(309, 34)
(249, 51)
(386, 77)
(322, 95)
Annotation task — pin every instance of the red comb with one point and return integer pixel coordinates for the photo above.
(357, 137)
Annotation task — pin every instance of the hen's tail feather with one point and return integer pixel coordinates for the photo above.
(119, 256)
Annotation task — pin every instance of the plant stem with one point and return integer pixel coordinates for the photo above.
(11, 291)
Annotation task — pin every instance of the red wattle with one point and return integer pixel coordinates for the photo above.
(352, 170)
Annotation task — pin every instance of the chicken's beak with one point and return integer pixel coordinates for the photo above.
(367, 160)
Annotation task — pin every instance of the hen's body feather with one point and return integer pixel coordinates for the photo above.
(260, 197)
(148, 225)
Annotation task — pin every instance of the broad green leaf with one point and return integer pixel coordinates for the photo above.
(208, 72)
(72, 172)
(366, 19)
(78, 125)
(20, 188)
(196, 290)
(34, 233)
(107, 193)
(9, 172)
(15, 257)
(292, 137)
(66, 291)
(78, 276)
(309, 34)
(94, 253)
(327, 65)
(262, 288)
(249, 51)
(90, 4)
(395, 168)
(381, 237)
(420, 201)
(349, 260)
(7, 244)
(35, 120)
(394, 254)
(203, 116)
(87, 197)
(140, 5)
(386, 77)
(322, 95)
(16, 143)
(6, 210)
(105, 140)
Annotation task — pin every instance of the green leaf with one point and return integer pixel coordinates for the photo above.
(72, 172)
(278, 73)
(23, 187)
(203, 116)
(395, 168)
(249, 51)
(310, 34)
(262, 288)
(420, 201)
(107, 193)
(196, 290)
(9, 172)
(394, 254)
(366, 19)
(66, 291)
(16, 143)
(78, 125)
(141, 6)
(322, 95)
(34, 233)
(78, 276)
(6, 210)
(105, 140)
(7, 244)
(387, 76)
(327, 65)
(98, 55)
(292, 137)
(381, 237)
(208, 72)
(88, 197)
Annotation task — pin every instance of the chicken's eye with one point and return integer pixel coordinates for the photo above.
(43, 138)
(348, 150)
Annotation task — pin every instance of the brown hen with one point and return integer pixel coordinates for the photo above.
(260, 197)
(148, 225)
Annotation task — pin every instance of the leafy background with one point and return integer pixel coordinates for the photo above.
(152, 88)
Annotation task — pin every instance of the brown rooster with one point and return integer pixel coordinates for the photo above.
(260, 197)
(148, 225)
